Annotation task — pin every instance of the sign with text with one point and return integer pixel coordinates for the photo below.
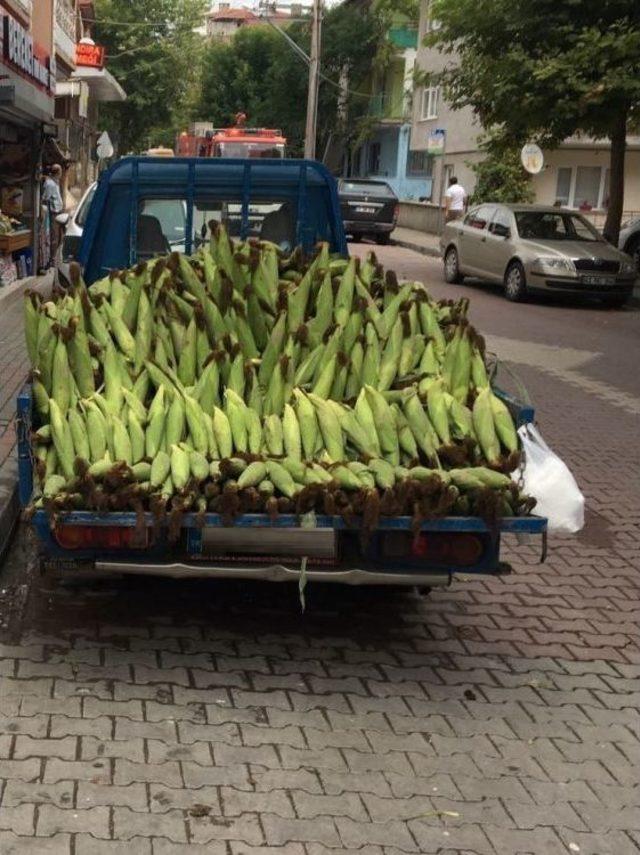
(90, 56)
(20, 52)
(435, 141)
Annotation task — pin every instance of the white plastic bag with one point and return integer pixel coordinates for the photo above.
(548, 479)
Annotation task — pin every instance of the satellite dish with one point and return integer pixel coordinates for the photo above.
(532, 158)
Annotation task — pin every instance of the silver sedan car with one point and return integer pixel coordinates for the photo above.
(533, 248)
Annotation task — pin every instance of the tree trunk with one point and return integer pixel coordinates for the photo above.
(618, 138)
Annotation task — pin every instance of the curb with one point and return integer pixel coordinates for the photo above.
(417, 247)
(9, 503)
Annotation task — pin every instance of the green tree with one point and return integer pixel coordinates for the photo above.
(260, 73)
(546, 69)
(500, 176)
(154, 53)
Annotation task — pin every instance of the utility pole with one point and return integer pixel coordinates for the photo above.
(314, 80)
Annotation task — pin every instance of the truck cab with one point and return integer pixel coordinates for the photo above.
(146, 206)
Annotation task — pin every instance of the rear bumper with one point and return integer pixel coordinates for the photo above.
(570, 285)
(367, 227)
(274, 573)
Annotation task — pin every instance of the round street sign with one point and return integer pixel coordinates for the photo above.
(532, 158)
(104, 149)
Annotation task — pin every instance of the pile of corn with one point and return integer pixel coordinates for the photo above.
(242, 380)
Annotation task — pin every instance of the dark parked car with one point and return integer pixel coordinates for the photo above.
(630, 240)
(369, 208)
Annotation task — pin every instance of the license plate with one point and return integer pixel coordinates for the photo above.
(598, 280)
(365, 209)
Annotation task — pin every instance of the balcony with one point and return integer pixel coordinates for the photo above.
(388, 107)
(403, 37)
(66, 30)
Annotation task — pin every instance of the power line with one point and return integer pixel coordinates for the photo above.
(298, 50)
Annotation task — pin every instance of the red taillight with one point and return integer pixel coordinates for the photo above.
(396, 213)
(459, 549)
(101, 537)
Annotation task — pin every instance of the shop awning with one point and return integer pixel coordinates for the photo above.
(29, 103)
(103, 85)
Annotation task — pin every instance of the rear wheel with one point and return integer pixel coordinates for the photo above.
(356, 238)
(515, 282)
(382, 238)
(451, 267)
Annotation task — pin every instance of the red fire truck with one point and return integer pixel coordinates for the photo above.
(203, 140)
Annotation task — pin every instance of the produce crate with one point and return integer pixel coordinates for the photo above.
(15, 241)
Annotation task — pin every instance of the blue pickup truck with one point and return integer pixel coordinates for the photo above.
(148, 206)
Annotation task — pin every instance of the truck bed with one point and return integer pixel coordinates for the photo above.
(320, 547)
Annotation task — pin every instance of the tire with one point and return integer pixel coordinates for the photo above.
(515, 283)
(615, 302)
(382, 238)
(452, 273)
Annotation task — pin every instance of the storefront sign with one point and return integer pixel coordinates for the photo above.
(90, 56)
(19, 51)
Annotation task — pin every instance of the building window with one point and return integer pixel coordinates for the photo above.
(374, 158)
(563, 186)
(582, 187)
(430, 99)
(419, 163)
(587, 189)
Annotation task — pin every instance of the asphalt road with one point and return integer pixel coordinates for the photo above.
(495, 716)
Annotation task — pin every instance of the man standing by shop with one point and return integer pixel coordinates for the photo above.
(455, 200)
(52, 199)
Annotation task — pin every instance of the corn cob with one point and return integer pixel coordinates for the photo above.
(505, 428)
(79, 436)
(160, 469)
(483, 424)
(281, 478)
(438, 413)
(180, 467)
(62, 439)
(196, 423)
(137, 437)
(384, 424)
(198, 465)
(329, 428)
(308, 422)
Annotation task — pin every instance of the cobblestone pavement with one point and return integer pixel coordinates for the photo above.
(494, 716)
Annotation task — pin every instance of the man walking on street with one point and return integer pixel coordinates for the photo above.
(455, 200)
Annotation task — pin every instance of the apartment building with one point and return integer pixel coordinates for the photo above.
(385, 154)
(575, 174)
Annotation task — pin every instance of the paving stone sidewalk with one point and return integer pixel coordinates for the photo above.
(493, 717)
